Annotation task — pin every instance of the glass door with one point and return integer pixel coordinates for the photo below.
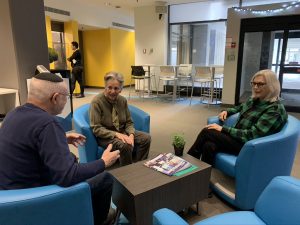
(289, 74)
(275, 46)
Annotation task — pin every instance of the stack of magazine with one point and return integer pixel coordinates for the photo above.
(168, 163)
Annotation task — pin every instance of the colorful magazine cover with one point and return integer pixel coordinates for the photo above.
(168, 163)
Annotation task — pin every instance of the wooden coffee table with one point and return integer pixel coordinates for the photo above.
(139, 191)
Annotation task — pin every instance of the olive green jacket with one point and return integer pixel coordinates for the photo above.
(101, 117)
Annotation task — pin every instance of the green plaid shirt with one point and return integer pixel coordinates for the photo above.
(257, 119)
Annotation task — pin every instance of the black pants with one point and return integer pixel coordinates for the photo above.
(101, 190)
(77, 76)
(210, 142)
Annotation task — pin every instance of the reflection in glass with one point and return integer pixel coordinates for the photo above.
(197, 43)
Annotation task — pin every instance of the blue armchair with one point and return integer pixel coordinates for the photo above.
(91, 151)
(48, 205)
(278, 204)
(259, 161)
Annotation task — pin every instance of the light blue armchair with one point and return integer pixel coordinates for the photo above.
(48, 205)
(91, 151)
(259, 161)
(278, 204)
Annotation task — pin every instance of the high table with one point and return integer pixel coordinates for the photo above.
(211, 88)
(175, 81)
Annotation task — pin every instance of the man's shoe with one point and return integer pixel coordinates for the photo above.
(80, 96)
(111, 216)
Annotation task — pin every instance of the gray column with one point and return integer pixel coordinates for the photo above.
(23, 42)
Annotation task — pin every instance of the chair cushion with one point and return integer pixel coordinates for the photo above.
(226, 163)
(233, 218)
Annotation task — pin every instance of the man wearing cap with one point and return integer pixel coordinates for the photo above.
(34, 148)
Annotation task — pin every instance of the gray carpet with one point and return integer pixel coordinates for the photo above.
(167, 118)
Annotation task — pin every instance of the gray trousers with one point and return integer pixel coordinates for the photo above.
(128, 153)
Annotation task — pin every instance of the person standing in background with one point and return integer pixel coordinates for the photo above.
(77, 69)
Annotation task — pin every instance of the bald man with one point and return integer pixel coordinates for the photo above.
(34, 148)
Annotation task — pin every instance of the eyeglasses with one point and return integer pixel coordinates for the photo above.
(67, 95)
(113, 88)
(257, 84)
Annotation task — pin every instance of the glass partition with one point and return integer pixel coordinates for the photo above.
(197, 43)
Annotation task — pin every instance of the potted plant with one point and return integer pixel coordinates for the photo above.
(178, 142)
(53, 56)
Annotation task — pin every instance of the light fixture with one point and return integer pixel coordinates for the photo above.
(279, 9)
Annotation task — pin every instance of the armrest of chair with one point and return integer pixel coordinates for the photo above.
(47, 205)
(230, 121)
(214, 119)
(140, 118)
(262, 159)
(88, 152)
(167, 217)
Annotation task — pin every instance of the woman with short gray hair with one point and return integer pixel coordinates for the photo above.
(111, 122)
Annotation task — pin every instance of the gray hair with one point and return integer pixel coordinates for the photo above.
(43, 90)
(272, 83)
(114, 76)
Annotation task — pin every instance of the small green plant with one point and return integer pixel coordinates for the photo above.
(53, 56)
(178, 140)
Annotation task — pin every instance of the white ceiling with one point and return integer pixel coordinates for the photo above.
(137, 3)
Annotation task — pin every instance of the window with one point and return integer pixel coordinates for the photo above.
(58, 43)
(197, 43)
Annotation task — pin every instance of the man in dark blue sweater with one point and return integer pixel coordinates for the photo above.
(34, 147)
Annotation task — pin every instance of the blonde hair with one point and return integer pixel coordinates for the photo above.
(114, 76)
(272, 83)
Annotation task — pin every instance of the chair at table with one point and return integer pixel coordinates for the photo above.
(279, 204)
(48, 205)
(139, 75)
(203, 76)
(259, 161)
(91, 151)
(184, 77)
(167, 74)
(218, 80)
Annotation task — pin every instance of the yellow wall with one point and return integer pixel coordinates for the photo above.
(122, 48)
(71, 34)
(97, 56)
(106, 50)
(49, 36)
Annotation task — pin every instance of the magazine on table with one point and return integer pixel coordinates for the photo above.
(168, 163)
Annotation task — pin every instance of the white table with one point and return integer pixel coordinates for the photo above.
(9, 99)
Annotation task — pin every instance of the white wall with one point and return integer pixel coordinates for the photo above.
(150, 33)
(233, 31)
(88, 14)
(9, 70)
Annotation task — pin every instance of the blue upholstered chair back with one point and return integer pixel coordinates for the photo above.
(259, 161)
(48, 205)
(279, 203)
(91, 151)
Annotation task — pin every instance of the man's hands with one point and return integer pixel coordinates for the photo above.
(223, 115)
(110, 157)
(75, 139)
(126, 139)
